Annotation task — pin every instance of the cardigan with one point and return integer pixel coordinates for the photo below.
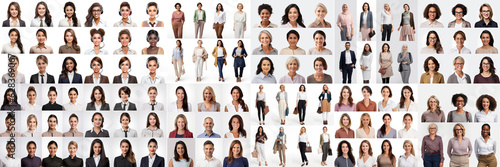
(214, 53)
(426, 78)
(195, 18)
(412, 22)
(187, 134)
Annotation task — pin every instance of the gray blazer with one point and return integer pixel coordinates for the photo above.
(453, 78)
(369, 20)
(104, 106)
(278, 97)
(408, 59)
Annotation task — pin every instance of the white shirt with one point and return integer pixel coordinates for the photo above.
(369, 162)
(36, 22)
(301, 96)
(97, 159)
(18, 23)
(151, 160)
(70, 76)
(149, 80)
(73, 107)
(147, 106)
(411, 161)
(220, 18)
(44, 78)
(386, 19)
(410, 133)
(92, 52)
(98, 79)
(464, 50)
(213, 162)
(365, 15)
(230, 108)
(34, 107)
(101, 23)
(458, 25)
(8, 48)
(303, 138)
(461, 80)
(97, 107)
(325, 137)
(288, 25)
(64, 23)
(485, 148)
(230, 135)
(428, 24)
(390, 105)
(10, 161)
(220, 52)
(411, 108)
(173, 107)
(125, 105)
(482, 117)
(348, 57)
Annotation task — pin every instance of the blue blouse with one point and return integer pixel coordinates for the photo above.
(237, 162)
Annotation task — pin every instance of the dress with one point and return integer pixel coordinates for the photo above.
(385, 58)
(366, 61)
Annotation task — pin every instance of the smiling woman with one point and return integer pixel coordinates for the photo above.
(70, 19)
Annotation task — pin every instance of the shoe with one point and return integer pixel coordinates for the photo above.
(307, 163)
(219, 78)
(222, 79)
(302, 164)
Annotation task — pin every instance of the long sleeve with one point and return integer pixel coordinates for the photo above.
(448, 151)
(469, 151)
(476, 150)
(353, 58)
(422, 148)
(441, 148)
(278, 96)
(410, 57)
(400, 58)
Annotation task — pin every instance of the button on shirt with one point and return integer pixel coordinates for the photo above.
(432, 146)
(461, 80)
(177, 54)
(456, 147)
(411, 161)
(485, 148)
(212, 162)
(261, 78)
(44, 50)
(122, 161)
(482, 117)
(220, 18)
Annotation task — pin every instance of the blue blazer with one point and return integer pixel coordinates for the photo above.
(159, 161)
(77, 78)
(239, 61)
(369, 20)
(342, 59)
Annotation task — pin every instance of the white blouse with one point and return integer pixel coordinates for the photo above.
(369, 162)
(173, 107)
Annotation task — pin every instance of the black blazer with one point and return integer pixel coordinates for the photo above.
(342, 59)
(159, 161)
(104, 162)
(6, 23)
(104, 106)
(131, 106)
(118, 79)
(34, 78)
(77, 78)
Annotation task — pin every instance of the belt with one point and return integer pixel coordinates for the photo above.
(432, 152)
(487, 156)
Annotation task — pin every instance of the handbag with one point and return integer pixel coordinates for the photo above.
(330, 152)
(400, 68)
(308, 149)
(255, 154)
(319, 108)
(183, 71)
(266, 110)
(287, 112)
(295, 111)
(382, 71)
(371, 34)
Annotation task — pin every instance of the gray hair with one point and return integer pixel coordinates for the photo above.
(290, 59)
(268, 33)
(432, 124)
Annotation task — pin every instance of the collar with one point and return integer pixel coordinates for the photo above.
(45, 74)
(10, 20)
(156, 103)
(125, 103)
(125, 130)
(156, 128)
(71, 73)
(262, 76)
(211, 159)
(155, 22)
(128, 22)
(99, 156)
(44, 46)
(153, 157)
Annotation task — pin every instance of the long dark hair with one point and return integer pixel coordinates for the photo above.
(402, 99)
(176, 154)
(391, 156)
(438, 46)
(130, 154)
(217, 7)
(185, 106)
(263, 133)
(491, 37)
(240, 129)
(6, 99)
(48, 17)
(74, 43)
(492, 66)
(64, 71)
(102, 153)
(259, 66)
(240, 99)
(90, 16)
(18, 41)
(92, 97)
(350, 100)
(382, 129)
(349, 153)
(285, 20)
(75, 20)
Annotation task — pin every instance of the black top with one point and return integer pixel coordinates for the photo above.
(75, 162)
(54, 106)
(91, 133)
(52, 162)
(481, 23)
(13, 106)
(123, 162)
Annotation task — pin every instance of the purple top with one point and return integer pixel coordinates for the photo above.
(344, 107)
(432, 146)
(31, 162)
(457, 148)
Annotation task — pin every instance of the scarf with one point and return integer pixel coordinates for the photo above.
(366, 53)
(406, 13)
(346, 17)
(281, 134)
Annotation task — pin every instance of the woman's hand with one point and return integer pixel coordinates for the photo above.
(381, 29)
(341, 29)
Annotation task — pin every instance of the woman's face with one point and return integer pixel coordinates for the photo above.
(152, 120)
(387, 121)
(52, 149)
(407, 120)
(407, 147)
(124, 147)
(460, 102)
(366, 121)
(345, 121)
(485, 103)
(219, 43)
(178, 43)
(31, 96)
(367, 48)
(73, 122)
(386, 7)
(207, 95)
(385, 48)
(432, 130)
(365, 7)
(152, 95)
(458, 130)
(69, 37)
(459, 65)
(153, 39)
(180, 149)
(124, 96)
(97, 39)
(240, 7)
(345, 148)
(70, 65)
(432, 39)
(365, 147)
(407, 93)
(31, 150)
(40, 36)
(199, 6)
(152, 66)
(485, 131)
(235, 123)
(485, 39)
(293, 14)
(432, 13)
(293, 66)
(42, 65)
(293, 39)
(125, 11)
(386, 147)
(96, 12)
(69, 11)
(385, 93)
(345, 8)
(124, 39)
(320, 13)
(97, 95)
(13, 37)
(485, 12)
(96, 66)
(97, 121)
(13, 11)
(125, 121)
(181, 123)
(324, 130)
(345, 93)
(459, 13)
(265, 40)
(319, 40)
(125, 66)
(97, 148)
(235, 94)
(303, 130)
(152, 147)
(40, 9)
(52, 123)
(72, 96)
(152, 11)
(72, 150)
(318, 66)
(32, 124)
(52, 96)
(236, 149)
(405, 48)
(459, 39)
(406, 7)
(265, 15)
(431, 65)
(366, 94)
(180, 94)
(282, 88)
(266, 66)
(433, 103)
(219, 7)
(10, 94)
(485, 65)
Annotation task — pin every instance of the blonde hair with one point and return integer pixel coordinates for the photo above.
(31, 116)
(459, 58)
(185, 120)
(322, 6)
(211, 90)
(361, 120)
(341, 118)
(480, 11)
(301, 130)
(412, 148)
(461, 126)
(73, 143)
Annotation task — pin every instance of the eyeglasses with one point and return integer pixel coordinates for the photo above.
(432, 128)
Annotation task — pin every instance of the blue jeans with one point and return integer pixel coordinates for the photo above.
(220, 64)
(432, 159)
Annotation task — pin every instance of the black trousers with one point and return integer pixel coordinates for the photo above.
(260, 110)
(302, 110)
(386, 32)
(302, 148)
(385, 80)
